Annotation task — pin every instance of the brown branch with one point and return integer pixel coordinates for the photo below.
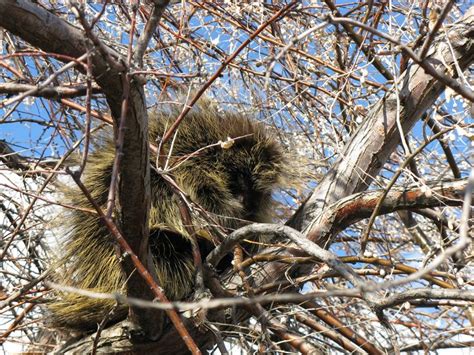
(101, 327)
(356, 207)
(159, 7)
(99, 115)
(87, 129)
(331, 320)
(327, 332)
(45, 83)
(16, 322)
(296, 341)
(48, 92)
(398, 266)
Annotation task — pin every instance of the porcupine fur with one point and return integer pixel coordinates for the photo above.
(232, 185)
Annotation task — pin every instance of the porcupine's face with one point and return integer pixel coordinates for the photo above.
(253, 177)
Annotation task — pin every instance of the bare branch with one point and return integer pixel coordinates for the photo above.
(48, 92)
(426, 293)
(159, 7)
(356, 207)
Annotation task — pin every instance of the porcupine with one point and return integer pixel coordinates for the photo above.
(233, 185)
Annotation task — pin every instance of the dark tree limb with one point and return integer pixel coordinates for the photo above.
(54, 35)
(356, 207)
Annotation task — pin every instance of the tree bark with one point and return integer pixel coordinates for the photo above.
(54, 35)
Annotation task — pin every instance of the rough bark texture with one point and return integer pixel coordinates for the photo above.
(116, 339)
(354, 208)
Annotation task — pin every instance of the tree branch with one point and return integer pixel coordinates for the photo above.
(54, 35)
(159, 7)
(48, 92)
(426, 293)
(368, 149)
(356, 207)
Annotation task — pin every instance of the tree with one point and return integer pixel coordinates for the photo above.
(372, 244)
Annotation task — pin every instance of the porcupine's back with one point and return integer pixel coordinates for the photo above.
(232, 184)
